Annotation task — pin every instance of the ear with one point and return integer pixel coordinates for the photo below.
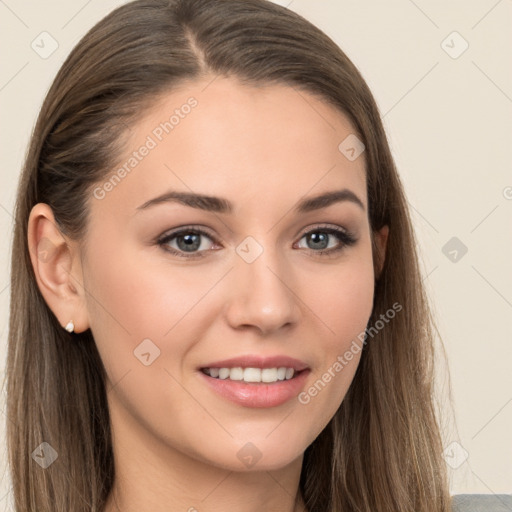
(57, 268)
(381, 241)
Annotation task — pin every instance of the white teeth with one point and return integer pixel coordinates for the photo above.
(269, 374)
(252, 374)
(223, 373)
(236, 373)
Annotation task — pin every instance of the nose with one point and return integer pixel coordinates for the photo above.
(262, 295)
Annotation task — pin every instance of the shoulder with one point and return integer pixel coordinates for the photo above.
(482, 503)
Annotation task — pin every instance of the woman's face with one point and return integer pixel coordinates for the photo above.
(254, 284)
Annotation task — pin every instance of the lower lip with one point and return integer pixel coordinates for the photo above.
(258, 394)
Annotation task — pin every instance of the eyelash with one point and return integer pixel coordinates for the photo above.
(346, 238)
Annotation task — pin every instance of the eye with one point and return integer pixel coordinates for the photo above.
(189, 242)
(320, 238)
(186, 242)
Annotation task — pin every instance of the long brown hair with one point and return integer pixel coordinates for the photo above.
(382, 450)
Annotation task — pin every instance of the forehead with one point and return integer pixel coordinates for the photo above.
(271, 143)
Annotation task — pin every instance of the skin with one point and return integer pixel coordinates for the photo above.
(263, 149)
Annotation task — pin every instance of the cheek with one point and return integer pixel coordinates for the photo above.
(141, 295)
(143, 298)
(343, 300)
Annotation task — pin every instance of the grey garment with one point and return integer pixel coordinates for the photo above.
(482, 503)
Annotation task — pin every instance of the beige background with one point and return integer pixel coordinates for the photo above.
(449, 120)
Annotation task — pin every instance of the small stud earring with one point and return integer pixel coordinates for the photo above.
(70, 327)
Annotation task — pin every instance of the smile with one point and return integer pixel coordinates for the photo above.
(251, 374)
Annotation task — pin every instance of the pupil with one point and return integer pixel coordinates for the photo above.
(190, 242)
(319, 240)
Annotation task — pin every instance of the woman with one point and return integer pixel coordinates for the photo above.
(216, 299)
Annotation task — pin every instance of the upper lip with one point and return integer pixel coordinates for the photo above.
(255, 361)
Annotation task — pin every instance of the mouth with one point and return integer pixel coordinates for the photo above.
(253, 387)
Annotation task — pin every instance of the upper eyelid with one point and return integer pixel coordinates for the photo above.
(207, 231)
(187, 229)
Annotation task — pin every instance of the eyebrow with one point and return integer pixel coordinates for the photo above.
(221, 205)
